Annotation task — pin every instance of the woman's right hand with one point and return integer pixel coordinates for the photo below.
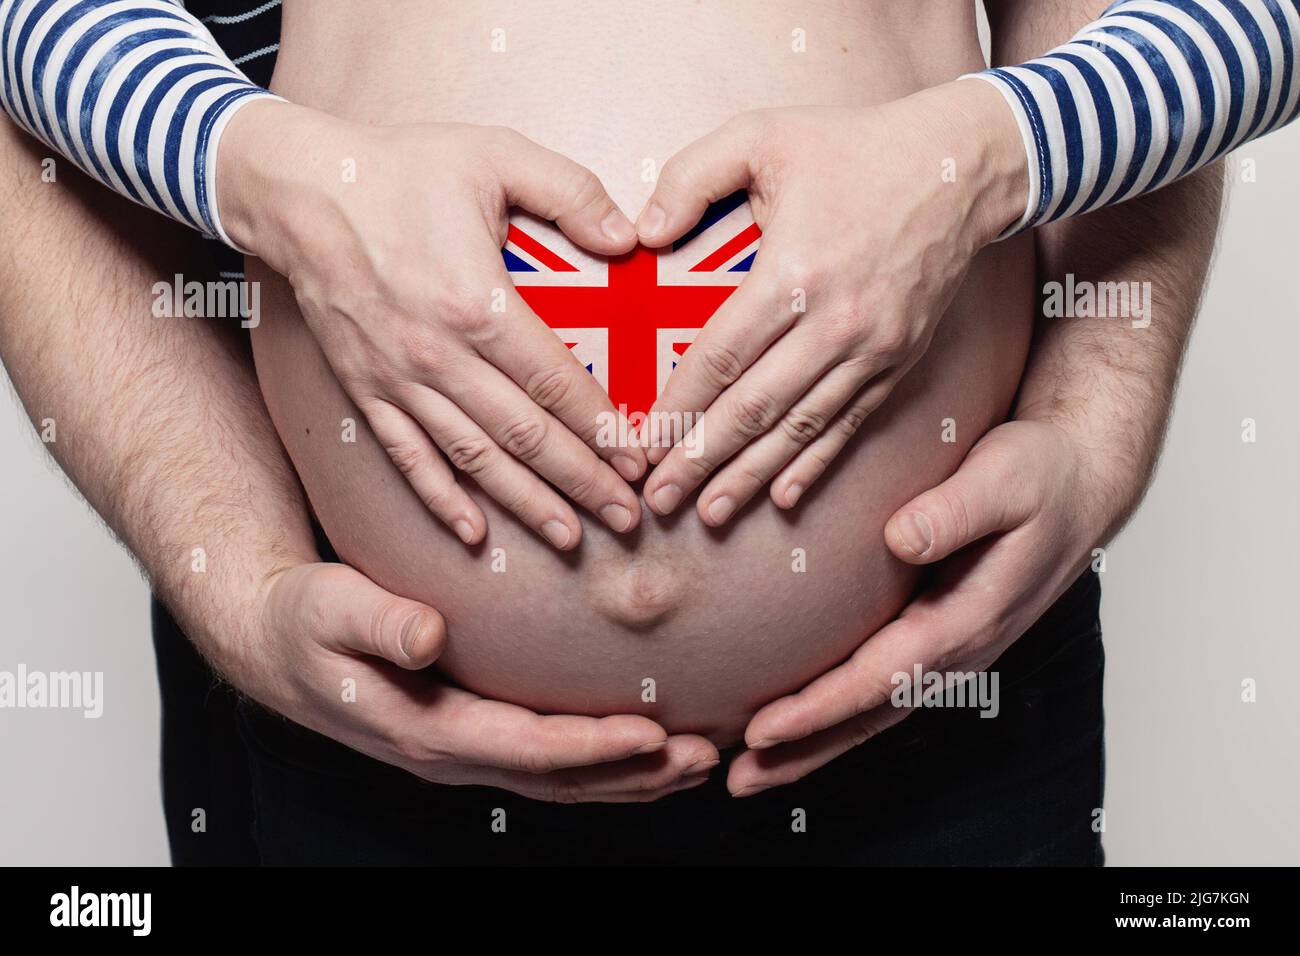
(391, 238)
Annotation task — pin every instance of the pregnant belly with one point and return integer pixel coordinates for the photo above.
(694, 627)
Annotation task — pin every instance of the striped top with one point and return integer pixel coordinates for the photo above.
(1147, 93)
(135, 92)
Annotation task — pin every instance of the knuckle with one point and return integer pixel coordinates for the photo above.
(525, 437)
(877, 689)
(379, 624)
(496, 142)
(954, 514)
(585, 485)
(564, 790)
(550, 387)
(418, 346)
(890, 341)
(406, 455)
(412, 749)
(436, 498)
(466, 314)
(581, 190)
(752, 413)
(471, 454)
(843, 331)
(677, 173)
(534, 761)
(852, 419)
(798, 271)
(720, 364)
(802, 425)
(747, 477)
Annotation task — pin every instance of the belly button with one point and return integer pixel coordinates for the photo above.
(638, 595)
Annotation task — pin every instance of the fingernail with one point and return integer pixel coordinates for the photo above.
(687, 783)
(721, 508)
(700, 766)
(627, 467)
(617, 517)
(557, 532)
(653, 747)
(792, 495)
(914, 529)
(411, 633)
(762, 743)
(667, 498)
(616, 228)
(464, 530)
(652, 220)
(752, 789)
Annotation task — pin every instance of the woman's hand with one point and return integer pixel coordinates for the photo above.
(314, 627)
(1035, 489)
(391, 238)
(870, 217)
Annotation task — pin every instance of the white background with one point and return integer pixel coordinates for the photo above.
(1200, 593)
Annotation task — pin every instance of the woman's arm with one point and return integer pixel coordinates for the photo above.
(399, 274)
(1145, 94)
(136, 94)
(870, 218)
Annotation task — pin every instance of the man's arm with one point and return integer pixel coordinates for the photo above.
(160, 423)
(1099, 377)
(1040, 492)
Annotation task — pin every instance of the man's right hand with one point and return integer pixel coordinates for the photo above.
(320, 625)
(391, 238)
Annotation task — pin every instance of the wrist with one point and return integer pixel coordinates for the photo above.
(1109, 457)
(219, 603)
(265, 168)
(995, 163)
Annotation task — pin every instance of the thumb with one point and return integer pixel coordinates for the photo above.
(711, 168)
(984, 496)
(351, 613)
(552, 186)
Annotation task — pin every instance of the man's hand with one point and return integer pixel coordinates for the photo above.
(1029, 487)
(1035, 496)
(319, 625)
(870, 218)
(391, 238)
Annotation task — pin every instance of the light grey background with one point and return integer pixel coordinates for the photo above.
(1200, 593)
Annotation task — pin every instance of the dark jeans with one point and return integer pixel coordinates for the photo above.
(943, 787)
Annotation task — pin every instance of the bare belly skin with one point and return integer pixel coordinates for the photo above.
(694, 627)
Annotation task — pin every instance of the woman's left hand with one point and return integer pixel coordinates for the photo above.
(870, 217)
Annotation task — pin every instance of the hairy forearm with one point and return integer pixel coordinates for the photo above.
(158, 421)
(1111, 384)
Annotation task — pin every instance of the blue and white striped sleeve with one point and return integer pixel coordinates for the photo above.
(135, 92)
(1147, 93)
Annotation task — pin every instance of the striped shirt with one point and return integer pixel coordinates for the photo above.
(1147, 93)
(136, 92)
